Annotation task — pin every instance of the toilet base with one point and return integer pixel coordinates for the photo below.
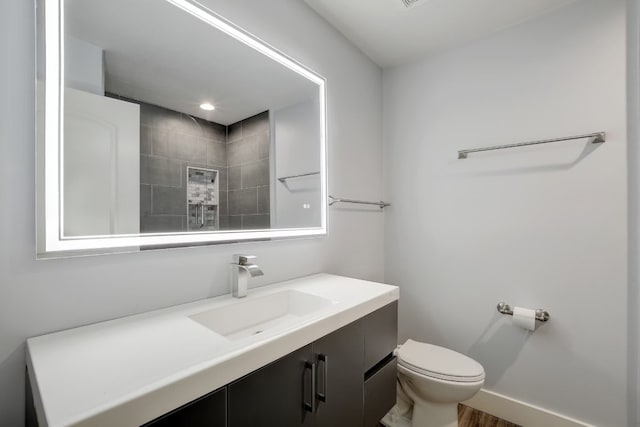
(430, 414)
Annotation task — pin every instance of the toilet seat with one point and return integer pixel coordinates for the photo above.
(439, 362)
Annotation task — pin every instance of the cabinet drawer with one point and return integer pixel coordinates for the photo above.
(380, 393)
(380, 334)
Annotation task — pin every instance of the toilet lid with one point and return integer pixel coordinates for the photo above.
(439, 362)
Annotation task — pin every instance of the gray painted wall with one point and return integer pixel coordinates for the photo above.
(38, 297)
(633, 159)
(538, 227)
(295, 153)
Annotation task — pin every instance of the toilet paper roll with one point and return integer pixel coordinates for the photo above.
(525, 318)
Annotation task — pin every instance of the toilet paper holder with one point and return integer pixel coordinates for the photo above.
(541, 315)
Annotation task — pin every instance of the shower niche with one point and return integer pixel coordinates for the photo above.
(202, 199)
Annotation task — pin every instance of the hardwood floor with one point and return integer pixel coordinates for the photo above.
(469, 417)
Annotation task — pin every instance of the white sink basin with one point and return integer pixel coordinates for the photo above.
(252, 316)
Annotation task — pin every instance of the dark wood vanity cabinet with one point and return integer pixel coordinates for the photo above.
(274, 394)
(209, 410)
(340, 360)
(354, 371)
(380, 338)
(380, 334)
(282, 393)
(346, 378)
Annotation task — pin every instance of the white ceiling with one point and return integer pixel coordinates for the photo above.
(391, 34)
(156, 53)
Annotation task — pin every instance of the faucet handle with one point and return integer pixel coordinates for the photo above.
(243, 259)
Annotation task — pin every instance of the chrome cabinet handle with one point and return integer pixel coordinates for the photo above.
(202, 220)
(310, 407)
(322, 397)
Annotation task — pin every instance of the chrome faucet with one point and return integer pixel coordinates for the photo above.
(241, 269)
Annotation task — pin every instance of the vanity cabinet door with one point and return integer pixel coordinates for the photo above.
(208, 411)
(274, 395)
(340, 377)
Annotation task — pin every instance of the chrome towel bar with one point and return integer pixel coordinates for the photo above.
(284, 178)
(597, 138)
(541, 315)
(380, 204)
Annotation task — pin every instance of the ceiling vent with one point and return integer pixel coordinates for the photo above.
(408, 4)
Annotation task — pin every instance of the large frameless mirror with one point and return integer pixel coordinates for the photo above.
(162, 124)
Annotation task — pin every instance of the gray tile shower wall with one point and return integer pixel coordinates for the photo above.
(171, 141)
(248, 144)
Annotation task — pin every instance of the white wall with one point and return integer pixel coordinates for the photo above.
(296, 152)
(633, 162)
(37, 297)
(542, 226)
(84, 66)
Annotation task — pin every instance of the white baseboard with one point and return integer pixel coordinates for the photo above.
(519, 412)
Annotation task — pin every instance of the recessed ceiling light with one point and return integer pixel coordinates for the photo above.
(207, 106)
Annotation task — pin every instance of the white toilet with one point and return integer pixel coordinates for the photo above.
(436, 379)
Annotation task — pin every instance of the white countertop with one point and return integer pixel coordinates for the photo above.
(131, 370)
